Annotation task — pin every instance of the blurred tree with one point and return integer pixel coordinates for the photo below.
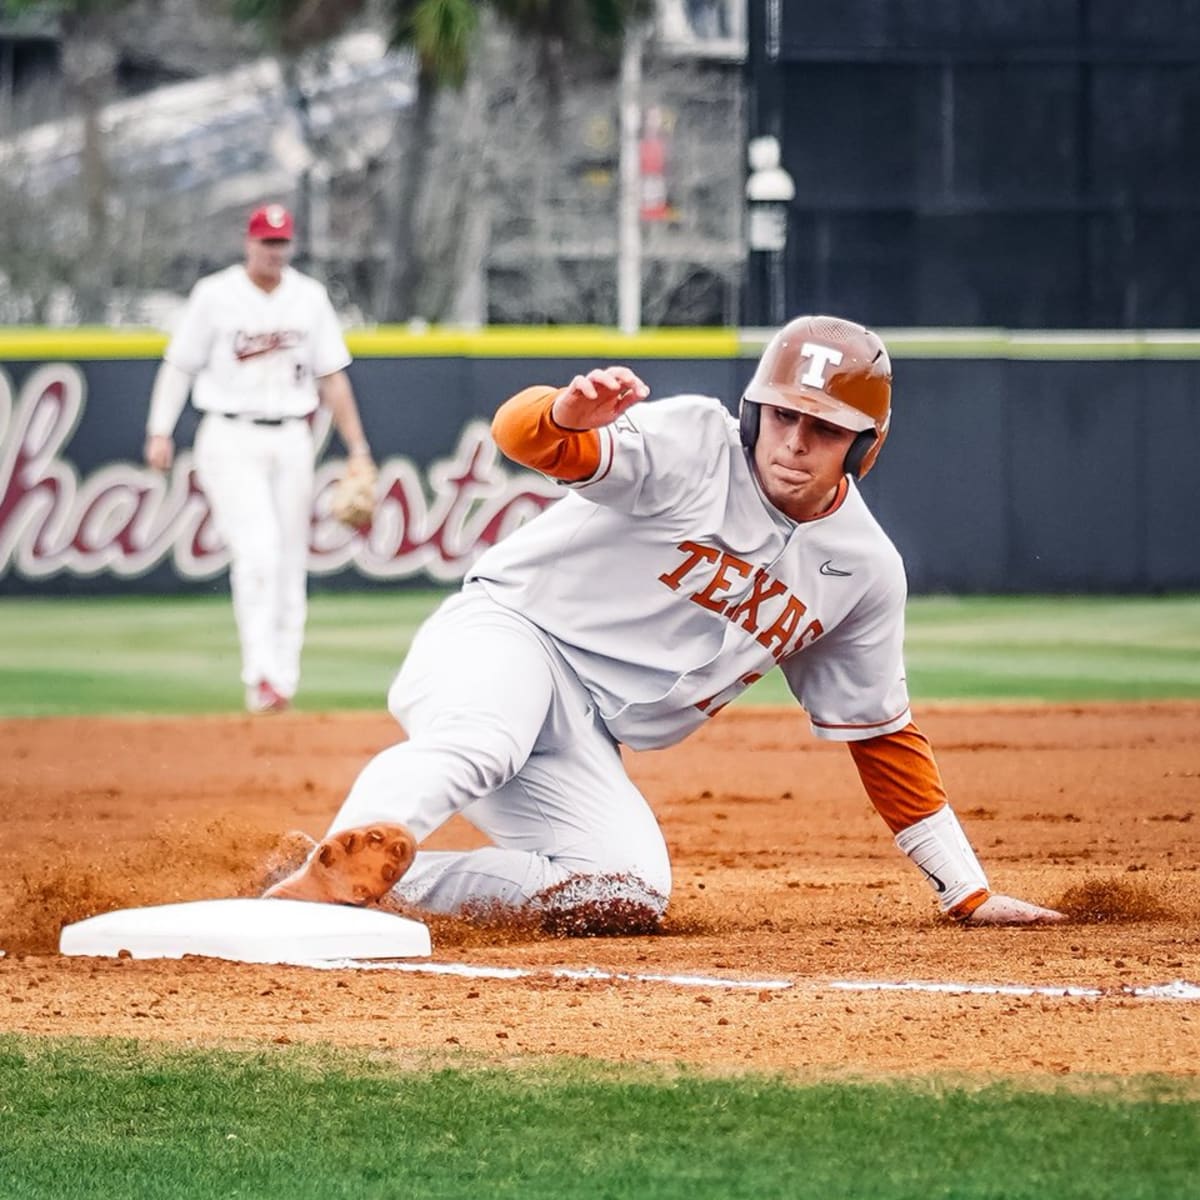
(443, 36)
(89, 32)
(556, 26)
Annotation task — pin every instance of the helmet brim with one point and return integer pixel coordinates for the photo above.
(816, 404)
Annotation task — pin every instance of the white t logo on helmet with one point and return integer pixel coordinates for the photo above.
(821, 357)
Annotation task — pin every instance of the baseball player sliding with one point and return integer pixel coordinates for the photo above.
(258, 346)
(691, 554)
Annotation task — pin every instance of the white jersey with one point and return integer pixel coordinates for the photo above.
(257, 353)
(713, 586)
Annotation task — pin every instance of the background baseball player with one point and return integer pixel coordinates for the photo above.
(258, 345)
(692, 554)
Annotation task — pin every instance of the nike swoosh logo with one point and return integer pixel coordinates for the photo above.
(827, 569)
(938, 885)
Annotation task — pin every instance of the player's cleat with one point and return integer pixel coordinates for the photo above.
(262, 697)
(1007, 910)
(354, 866)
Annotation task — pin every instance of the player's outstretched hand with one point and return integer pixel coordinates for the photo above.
(597, 398)
(1007, 910)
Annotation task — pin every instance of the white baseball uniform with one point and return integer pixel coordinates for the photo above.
(631, 611)
(256, 357)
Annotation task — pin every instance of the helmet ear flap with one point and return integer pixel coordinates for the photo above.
(863, 452)
(856, 457)
(749, 419)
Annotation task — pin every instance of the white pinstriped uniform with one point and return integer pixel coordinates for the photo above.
(256, 356)
(629, 612)
(678, 630)
(255, 352)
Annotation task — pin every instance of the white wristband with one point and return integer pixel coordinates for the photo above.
(939, 848)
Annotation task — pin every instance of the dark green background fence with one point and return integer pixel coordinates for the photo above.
(1016, 463)
(1021, 163)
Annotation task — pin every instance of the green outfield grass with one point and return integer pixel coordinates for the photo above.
(105, 1119)
(1047, 648)
(179, 655)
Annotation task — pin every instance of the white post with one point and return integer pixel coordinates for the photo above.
(629, 229)
(769, 191)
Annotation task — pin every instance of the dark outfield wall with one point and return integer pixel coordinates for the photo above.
(1016, 463)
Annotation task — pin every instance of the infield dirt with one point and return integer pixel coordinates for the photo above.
(782, 872)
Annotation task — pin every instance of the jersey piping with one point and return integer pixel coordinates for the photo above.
(861, 725)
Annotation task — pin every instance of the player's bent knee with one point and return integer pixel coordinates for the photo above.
(397, 701)
(650, 865)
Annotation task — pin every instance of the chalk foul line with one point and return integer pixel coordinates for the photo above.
(1178, 989)
(472, 971)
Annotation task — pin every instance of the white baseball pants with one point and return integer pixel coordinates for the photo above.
(259, 484)
(500, 729)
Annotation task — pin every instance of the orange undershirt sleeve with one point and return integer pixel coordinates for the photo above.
(526, 432)
(900, 775)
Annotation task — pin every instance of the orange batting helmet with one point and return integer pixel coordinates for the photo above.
(831, 369)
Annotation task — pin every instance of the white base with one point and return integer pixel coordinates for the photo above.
(249, 930)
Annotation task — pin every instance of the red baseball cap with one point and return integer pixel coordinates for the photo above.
(270, 221)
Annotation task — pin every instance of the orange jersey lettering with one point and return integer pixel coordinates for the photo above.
(764, 588)
(706, 597)
(696, 554)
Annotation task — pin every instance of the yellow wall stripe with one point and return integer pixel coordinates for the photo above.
(608, 345)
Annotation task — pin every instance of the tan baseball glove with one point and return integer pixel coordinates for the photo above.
(353, 501)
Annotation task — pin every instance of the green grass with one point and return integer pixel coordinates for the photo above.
(104, 1119)
(179, 655)
(1057, 649)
